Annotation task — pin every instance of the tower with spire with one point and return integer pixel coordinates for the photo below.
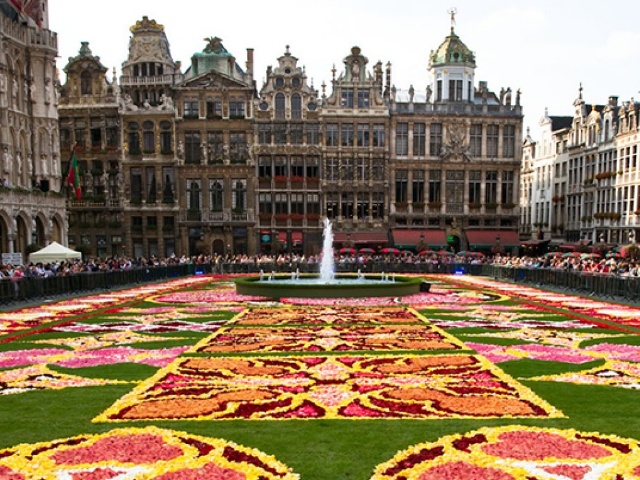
(452, 69)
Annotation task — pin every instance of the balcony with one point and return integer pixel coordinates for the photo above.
(217, 218)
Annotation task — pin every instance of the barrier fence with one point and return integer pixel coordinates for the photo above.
(581, 283)
(36, 288)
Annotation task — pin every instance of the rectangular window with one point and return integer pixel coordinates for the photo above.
(297, 203)
(347, 135)
(455, 187)
(378, 135)
(281, 167)
(134, 140)
(506, 196)
(215, 146)
(347, 163)
(492, 141)
(346, 100)
(346, 205)
(295, 137)
(297, 167)
(509, 141)
(192, 147)
(148, 139)
(362, 207)
(331, 135)
(281, 203)
(214, 109)
(313, 203)
(402, 178)
(491, 187)
(265, 204)
(419, 139)
(166, 138)
(150, 173)
(236, 108)
(190, 109)
(313, 137)
(264, 134)
(363, 99)
(475, 183)
(455, 90)
(435, 186)
(435, 139)
(168, 183)
(65, 139)
(332, 169)
(402, 139)
(377, 170)
(332, 205)
(475, 140)
(238, 147)
(265, 169)
(417, 187)
(136, 185)
(362, 170)
(363, 134)
(377, 204)
(96, 133)
(313, 168)
(280, 134)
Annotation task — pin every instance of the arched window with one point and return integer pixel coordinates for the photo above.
(85, 83)
(280, 105)
(296, 106)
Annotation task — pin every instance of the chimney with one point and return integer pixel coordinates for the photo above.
(250, 61)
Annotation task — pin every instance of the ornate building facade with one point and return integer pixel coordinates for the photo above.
(90, 122)
(32, 210)
(455, 158)
(582, 183)
(206, 162)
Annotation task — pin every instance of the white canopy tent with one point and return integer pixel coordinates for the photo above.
(54, 252)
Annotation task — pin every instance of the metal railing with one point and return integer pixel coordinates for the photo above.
(20, 290)
(608, 286)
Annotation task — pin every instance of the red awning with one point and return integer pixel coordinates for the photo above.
(410, 238)
(282, 236)
(372, 238)
(296, 237)
(489, 238)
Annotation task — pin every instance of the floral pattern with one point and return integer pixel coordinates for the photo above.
(409, 386)
(135, 453)
(517, 453)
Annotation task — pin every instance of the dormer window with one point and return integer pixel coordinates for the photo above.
(279, 82)
(363, 99)
(347, 98)
(295, 82)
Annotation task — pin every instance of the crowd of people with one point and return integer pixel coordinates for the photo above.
(588, 263)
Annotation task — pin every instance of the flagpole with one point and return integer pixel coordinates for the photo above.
(65, 179)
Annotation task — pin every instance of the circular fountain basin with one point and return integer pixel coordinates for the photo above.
(311, 286)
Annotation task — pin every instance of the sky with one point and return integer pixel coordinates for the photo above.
(545, 48)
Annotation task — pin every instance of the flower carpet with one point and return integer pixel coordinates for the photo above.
(475, 379)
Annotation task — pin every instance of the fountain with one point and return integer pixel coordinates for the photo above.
(327, 284)
(327, 269)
